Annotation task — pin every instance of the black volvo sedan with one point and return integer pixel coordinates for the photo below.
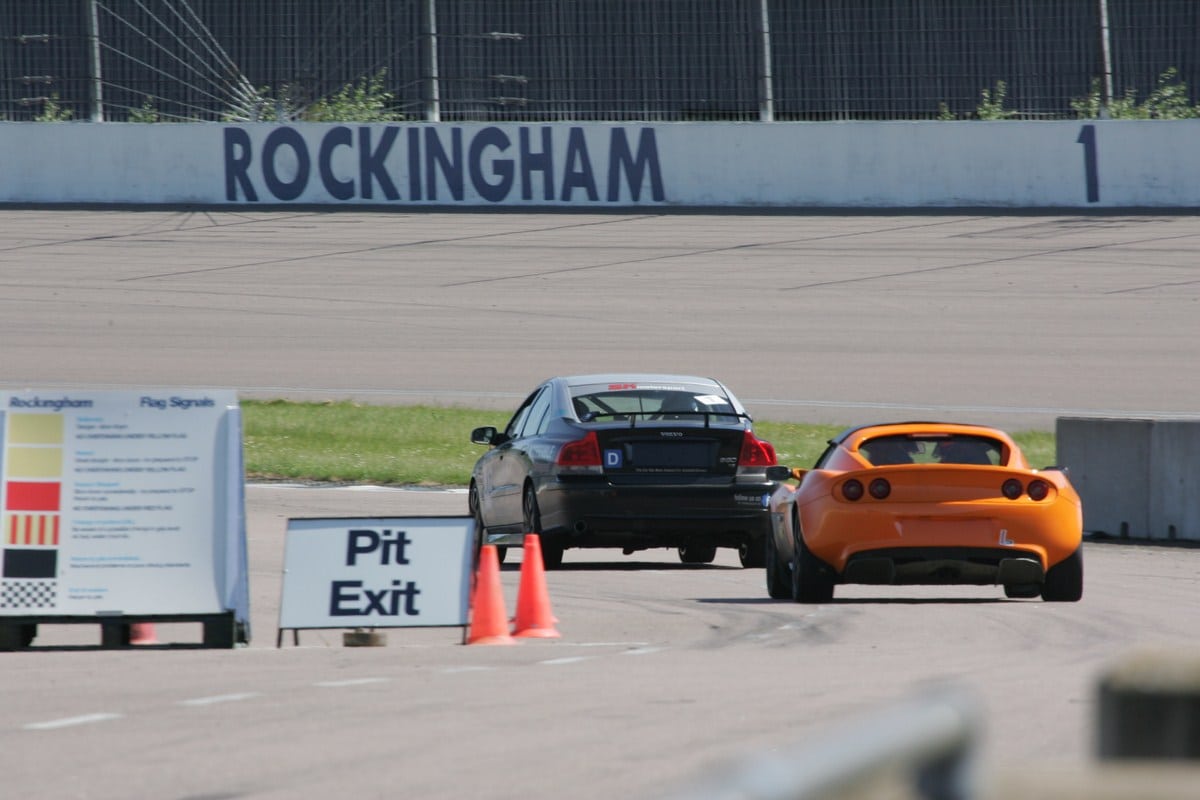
(631, 461)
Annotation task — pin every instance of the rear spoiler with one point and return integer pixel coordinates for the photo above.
(620, 416)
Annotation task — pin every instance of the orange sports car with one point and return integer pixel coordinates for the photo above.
(924, 503)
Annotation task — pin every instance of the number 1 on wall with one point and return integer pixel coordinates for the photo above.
(1087, 138)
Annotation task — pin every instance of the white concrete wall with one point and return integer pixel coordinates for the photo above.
(1138, 478)
(1076, 164)
(1109, 465)
(1175, 480)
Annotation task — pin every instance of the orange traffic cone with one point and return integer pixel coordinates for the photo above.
(534, 618)
(489, 623)
(142, 633)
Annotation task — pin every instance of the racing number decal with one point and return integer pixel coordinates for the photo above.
(1091, 171)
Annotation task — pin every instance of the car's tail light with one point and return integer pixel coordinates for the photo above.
(1038, 489)
(1012, 489)
(852, 489)
(880, 488)
(756, 452)
(581, 455)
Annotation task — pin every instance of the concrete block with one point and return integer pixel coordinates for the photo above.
(1109, 465)
(1174, 511)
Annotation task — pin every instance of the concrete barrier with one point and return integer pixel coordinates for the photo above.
(1138, 478)
(1078, 164)
(1109, 465)
(1175, 480)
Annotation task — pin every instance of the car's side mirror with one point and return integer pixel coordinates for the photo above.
(779, 473)
(782, 473)
(485, 435)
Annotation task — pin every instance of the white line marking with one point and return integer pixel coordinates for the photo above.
(218, 698)
(362, 488)
(1061, 412)
(69, 721)
(350, 682)
(569, 660)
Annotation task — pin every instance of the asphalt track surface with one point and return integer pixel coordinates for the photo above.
(663, 672)
(1014, 320)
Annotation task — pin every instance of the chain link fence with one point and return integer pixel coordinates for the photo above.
(652, 60)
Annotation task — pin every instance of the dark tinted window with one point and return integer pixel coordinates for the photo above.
(518, 419)
(604, 404)
(932, 449)
(539, 414)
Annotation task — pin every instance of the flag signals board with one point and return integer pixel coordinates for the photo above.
(122, 504)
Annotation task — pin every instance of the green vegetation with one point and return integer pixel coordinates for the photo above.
(990, 107)
(146, 113)
(53, 111)
(991, 103)
(1169, 100)
(365, 100)
(346, 442)
(350, 443)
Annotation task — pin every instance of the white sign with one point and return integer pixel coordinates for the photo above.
(122, 503)
(390, 572)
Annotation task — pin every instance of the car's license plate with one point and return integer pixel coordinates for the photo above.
(672, 455)
(948, 528)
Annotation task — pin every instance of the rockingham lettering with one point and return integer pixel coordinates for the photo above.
(444, 164)
(55, 404)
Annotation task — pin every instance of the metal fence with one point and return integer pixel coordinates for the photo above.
(528, 60)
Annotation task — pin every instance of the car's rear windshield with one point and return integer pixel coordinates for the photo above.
(606, 403)
(933, 449)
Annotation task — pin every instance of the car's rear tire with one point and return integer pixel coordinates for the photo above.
(480, 528)
(779, 573)
(1064, 581)
(530, 515)
(752, 552)
(552, 551)
(697, 553)
(477, 514)
(811, 583)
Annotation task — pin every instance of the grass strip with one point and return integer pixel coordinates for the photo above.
(346, 442)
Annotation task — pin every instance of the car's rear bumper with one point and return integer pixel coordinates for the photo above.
(1046, 533)
(603, 515)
